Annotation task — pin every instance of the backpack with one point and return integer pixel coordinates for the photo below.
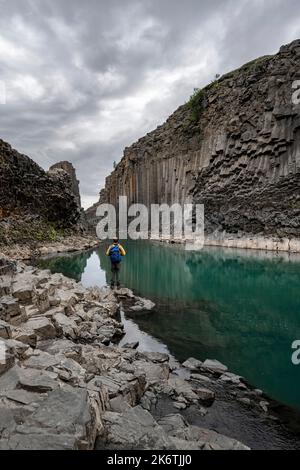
(115, 255)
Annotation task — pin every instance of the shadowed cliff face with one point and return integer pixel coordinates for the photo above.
(239, 154)
(34, 203)
(68, 168)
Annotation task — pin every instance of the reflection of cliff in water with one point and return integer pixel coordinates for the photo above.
(243, 310)
(71, 265)
(239, 308)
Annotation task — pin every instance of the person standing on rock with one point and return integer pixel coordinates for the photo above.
(115, 252)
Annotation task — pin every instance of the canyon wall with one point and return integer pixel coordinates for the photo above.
(235, 147)
(35, 204)
(68, 168)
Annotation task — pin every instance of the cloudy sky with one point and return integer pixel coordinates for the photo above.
(84, 79)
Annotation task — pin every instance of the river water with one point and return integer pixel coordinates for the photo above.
(240, 307)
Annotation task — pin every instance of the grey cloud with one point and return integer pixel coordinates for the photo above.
(86, 79)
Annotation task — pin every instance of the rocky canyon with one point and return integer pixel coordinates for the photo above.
(234, 147)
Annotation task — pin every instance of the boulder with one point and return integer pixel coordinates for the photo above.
(177, 386)
(5, 330)
(156, 357)
(22, 288)
(67, 299)
(205, 395)
(192, 364)
(200, 378)
(214, 366)
(41, 360)
(37, 381)
(24, 336)
(19, 349)
(66, 325)
(141, 305)
(68, 411)
(154, 373)
(62, 346)
(10, 310)
(129, 386)
(132, 430)
(42, 327)
(195, 437)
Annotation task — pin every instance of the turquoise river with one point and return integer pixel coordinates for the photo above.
(240, 307)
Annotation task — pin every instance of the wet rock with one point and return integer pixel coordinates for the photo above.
(200, 378)
(231, 378)
(192, 364)
(214, 366)
(141, 305)
(124, 292)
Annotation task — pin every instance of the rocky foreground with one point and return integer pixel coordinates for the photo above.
(65, 384)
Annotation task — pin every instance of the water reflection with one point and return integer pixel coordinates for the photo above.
(242, 308)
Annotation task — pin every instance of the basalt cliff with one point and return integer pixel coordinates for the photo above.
(234, 147)
(35, 204)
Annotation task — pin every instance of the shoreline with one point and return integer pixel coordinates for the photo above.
(274, 244)
(251, 243)
(70, 244)
(61, 343)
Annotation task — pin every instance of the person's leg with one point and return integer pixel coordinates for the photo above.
(118, 274)
(113, 270)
